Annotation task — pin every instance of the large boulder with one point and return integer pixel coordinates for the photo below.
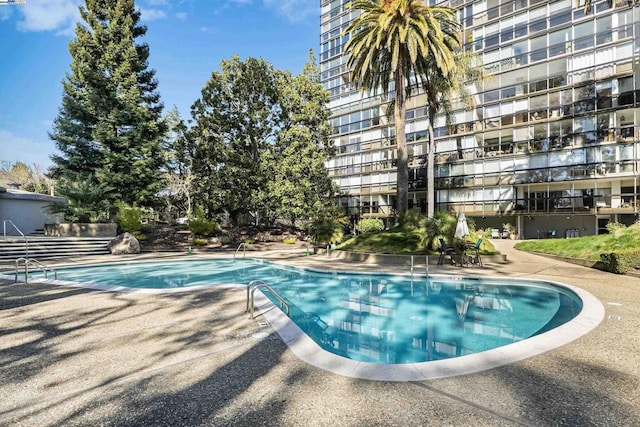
(125, 243)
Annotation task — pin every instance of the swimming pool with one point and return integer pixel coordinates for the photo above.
(373, 318)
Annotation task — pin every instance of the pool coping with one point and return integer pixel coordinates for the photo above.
(307, 350)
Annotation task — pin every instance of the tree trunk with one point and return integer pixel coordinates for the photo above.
(402, 195)
(431, 156)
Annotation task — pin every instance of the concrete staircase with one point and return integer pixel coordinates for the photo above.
(41, 247)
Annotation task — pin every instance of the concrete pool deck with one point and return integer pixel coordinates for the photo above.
(71, 356)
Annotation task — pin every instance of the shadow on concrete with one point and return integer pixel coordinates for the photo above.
(14, 295)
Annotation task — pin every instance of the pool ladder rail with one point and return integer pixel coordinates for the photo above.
(244, 250)
(257, 284)
(32, 261)
(426, 266)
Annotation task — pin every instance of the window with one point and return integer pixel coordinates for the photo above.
(492, 40)
(560, 19)
(583, 35)
(625, 90)
(539, 25)
(508, 92)
(604, 34)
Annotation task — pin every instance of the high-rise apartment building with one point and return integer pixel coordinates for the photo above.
(552, 144)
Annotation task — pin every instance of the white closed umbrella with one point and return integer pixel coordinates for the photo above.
(462, 229)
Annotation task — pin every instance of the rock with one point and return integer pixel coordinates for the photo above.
(124, 244)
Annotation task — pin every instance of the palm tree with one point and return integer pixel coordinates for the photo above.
(390, 41)
(440, 87)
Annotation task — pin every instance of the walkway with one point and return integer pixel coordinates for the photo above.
(72, 356)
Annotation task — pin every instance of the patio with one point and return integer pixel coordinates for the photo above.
(71, 356)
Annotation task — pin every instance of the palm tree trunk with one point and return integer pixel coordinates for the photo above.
(402, 196)
(431, 161)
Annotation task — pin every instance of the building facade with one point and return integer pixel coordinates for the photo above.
(552, 145)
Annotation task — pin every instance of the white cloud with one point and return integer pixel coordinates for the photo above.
(182, 16)
(15, 148)
(293, 10)
(152, 14)
(206, 29)
(51, 15)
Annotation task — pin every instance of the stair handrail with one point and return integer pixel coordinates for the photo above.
(251, 289)
(244, 251)
(4, 233)
(45, 268)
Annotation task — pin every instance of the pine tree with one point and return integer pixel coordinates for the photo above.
(109, 128)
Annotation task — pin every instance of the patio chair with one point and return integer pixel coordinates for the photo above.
(445, 250)
(474, 257)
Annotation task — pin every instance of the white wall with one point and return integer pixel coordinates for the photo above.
(27, 211)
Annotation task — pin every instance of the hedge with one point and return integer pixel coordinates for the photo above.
(621, 262)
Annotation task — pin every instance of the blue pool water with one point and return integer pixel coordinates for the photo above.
(379, 318)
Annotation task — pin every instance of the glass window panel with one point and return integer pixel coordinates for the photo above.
(539, 25)
(604, 33)
(506, 35)
(582, 34)
(557, 19)
(492, 40)
(538, 101)
(492, 111)
(520, 30)
(538, 161)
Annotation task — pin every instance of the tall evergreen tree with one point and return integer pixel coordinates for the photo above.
(109, 127)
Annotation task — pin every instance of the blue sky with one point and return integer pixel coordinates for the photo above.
(187, 39)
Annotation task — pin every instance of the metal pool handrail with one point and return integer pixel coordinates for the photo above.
(426, 266)
(45, 268)
(26, 241)
(251, 289)
(244, 252)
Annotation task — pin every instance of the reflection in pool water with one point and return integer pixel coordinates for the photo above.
(379, 318)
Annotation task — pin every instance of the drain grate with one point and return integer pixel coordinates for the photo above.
(617, 304)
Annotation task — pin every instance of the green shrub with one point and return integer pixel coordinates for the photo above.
(613, 226)
(138, 235)
(326, 230)
(199, 242)
(248, 241)
(202, 227)
(327, 225)
(289, 240)
(442, 225)
(129, 219)
(621, 262)
(370, 225)
(410, 220)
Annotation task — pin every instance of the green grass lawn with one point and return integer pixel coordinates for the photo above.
(588, 247)
(407, 242)
(393, 241)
